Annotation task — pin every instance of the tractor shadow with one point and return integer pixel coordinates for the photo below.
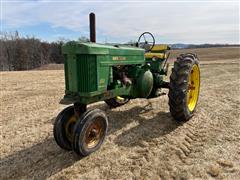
(145, 128)
(36, 162)
(46, 158)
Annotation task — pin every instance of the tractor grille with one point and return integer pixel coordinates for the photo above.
(81, 73)
(87, 73)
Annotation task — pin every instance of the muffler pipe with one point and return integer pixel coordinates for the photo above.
(92, 24)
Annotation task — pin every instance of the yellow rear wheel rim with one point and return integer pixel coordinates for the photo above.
(193, 87)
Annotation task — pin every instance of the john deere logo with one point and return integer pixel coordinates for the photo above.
(119, 58)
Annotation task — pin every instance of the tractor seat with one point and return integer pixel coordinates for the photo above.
(158, 51)
(150, 55)
(160, 48)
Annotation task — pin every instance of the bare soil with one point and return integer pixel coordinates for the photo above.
(211, 54)
(143, 141)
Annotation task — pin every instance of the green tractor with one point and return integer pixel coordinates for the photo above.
(115, 74)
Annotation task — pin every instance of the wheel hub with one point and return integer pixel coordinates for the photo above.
(94, 133)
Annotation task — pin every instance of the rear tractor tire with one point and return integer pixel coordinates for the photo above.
(184, 87)
(116, 101)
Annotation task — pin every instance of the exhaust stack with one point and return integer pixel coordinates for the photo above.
(92, 24)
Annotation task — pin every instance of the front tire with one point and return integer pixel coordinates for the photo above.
(89, 132)
(63, 127)
(184, 87)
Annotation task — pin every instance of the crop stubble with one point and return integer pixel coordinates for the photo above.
(143, 140)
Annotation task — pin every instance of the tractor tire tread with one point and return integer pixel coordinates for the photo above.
(178, 86)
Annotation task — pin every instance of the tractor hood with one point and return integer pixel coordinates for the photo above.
(74, 47)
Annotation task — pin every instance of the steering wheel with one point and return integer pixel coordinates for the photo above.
(146, 41)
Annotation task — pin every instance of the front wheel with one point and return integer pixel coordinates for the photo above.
(89, 132)
(184, 87)
(63, 128)
(64, 125)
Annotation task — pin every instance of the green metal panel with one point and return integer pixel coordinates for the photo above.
(66, 71)
(72, 72)
(113, 60)
(74, 47)
(103, 73)
(87, 98)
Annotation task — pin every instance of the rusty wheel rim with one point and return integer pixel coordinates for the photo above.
(94, 133)
(69, 127)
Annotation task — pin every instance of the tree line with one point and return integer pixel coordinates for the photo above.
(24, 53)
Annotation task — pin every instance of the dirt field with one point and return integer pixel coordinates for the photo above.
(143, 141)
(210, 54)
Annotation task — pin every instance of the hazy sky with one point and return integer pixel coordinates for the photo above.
(188, 21)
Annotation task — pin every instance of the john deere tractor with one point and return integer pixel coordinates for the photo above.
(115, 74)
